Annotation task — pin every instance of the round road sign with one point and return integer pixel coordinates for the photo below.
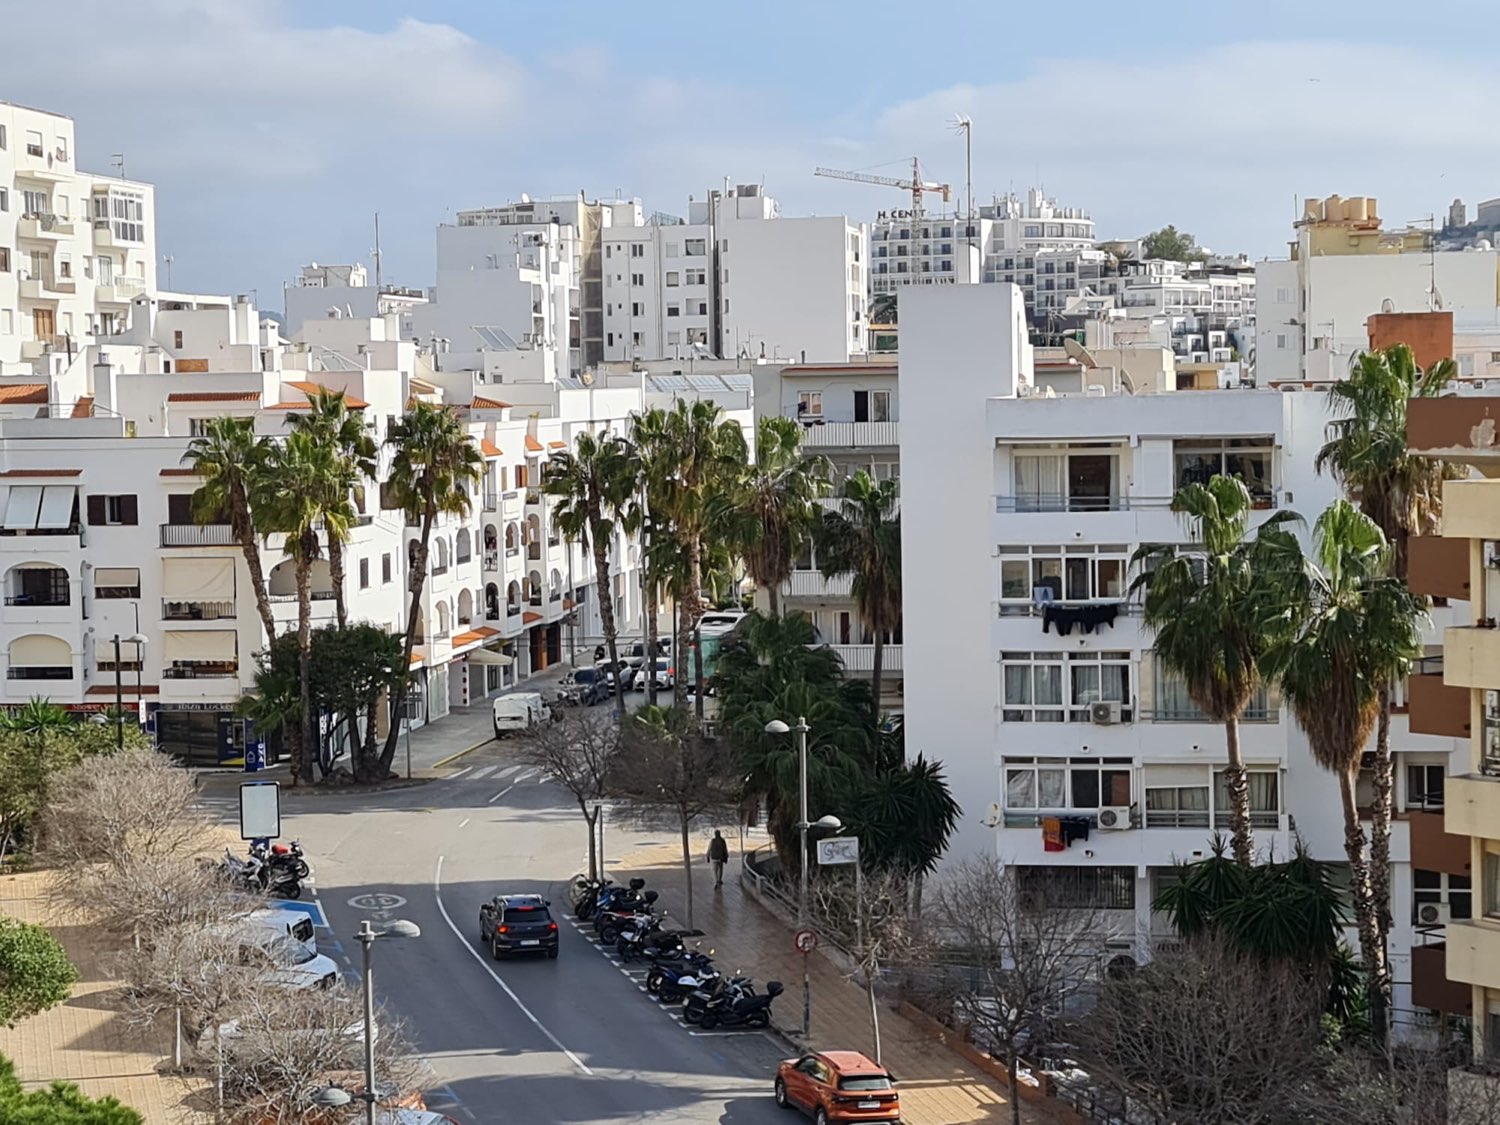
(806, 941)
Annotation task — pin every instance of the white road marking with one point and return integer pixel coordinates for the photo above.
(463, 822)
(455, 776)
(437, 892)
(507, 771)
(500, 794)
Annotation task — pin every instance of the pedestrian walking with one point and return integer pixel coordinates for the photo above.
(718, 855)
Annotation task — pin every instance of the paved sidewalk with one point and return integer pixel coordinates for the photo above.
(937, 1086)
(86, 1040)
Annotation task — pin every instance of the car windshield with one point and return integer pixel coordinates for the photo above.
(290, 951)
(524, 914)
(865, 1082)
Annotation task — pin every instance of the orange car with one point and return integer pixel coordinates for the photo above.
(837, 1086)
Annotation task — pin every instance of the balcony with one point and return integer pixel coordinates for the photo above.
(438, 570)
(861, 658)
(1430, 986)
(1438, 567)
(811, 584)
(1471, 508)
(1471, 657)
(40, 672)
(1471, 806)
(1474, 952)
(121, 291)
(197, 535)
(43, 288)
(44, 227)
(510, 505)
(851, 435)
(194, 610)
(1458, 429)
(1436, 707)
(491, 501)
(1433, 848)
(492, 560)
(228, 671)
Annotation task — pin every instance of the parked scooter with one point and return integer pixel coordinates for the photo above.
(746, 1011)
(712, 991)
(672, 980)
(625, 912)
(600, 894)
(652, 941)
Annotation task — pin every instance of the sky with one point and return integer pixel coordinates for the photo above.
(275, 129)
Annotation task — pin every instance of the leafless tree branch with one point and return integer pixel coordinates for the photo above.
(578, 755)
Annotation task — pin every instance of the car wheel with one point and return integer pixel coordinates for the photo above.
(495, 949)
(821, 1117)
(781, 1098)
(552, 954)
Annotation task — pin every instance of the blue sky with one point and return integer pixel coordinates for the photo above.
(274, 128)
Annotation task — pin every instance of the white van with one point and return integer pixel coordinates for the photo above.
(293, 923)
(520, 711)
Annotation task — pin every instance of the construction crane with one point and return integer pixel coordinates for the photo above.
(916, 185)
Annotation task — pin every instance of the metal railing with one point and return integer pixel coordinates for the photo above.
(197, 535)
(192, 610)
(40, 672)
(33, 600)
(437, 570)
(201, 672)
(492, 560)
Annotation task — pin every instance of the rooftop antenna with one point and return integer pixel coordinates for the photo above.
(118, 160)
(962, 123)
(375, 253)
(167, 260)
(1434, 298)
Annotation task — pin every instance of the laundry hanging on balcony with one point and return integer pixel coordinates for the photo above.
(1086, 617)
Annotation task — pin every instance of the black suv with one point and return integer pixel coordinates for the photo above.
(517, 924)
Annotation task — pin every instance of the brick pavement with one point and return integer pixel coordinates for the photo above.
(937, 1086)
(86, 1040)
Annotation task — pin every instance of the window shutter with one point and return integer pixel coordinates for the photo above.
(129, 510)
(96, 510)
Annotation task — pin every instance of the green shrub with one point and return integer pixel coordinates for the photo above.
(35, 973)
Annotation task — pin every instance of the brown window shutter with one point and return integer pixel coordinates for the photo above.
(129, 510)
(96, 510)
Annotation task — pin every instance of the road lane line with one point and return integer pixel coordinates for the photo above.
(458, 774)
(463, 822)
(507, 771)
(500, 794)
(437, 893)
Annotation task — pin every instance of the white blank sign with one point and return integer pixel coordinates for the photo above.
(260, 810)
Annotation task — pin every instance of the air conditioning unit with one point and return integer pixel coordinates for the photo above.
(1104, 714)
(1114, 818)
(1432, 914)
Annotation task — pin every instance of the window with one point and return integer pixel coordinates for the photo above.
(674, 337)
(672, 279)
(35, 203)
(674, 249)
(177, 338)
(198, 427)
(699, 277)
(724, 246)
(1281, 342)
(364, 574)
(810, 404)
(1079, 888)
(637, 309)
(117, 582)
(1177, 806)
(1249, 459)
(1436, 888)
(1065, 482)
(33, 143)
(698, 336)
(4, 259)
(1055, 687)
(1491, 888)
(872, 406)
(1265, 804)
(637, 250)
(385, 567)
(1424, 786)
(638, 279)
(674, 310)
(636, 338)
(695, 247)
(2, 138)
(1065, 784)
(4, 199)
(1071, 573)
(105, 511)
(39, 585)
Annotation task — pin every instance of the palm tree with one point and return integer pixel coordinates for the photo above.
(647, 515)
(1366, 450)
(1357, 629)
(434, 465)
(331, 423)
(1215, 609)
(593, 488)
(863, 538)
(770, 512)
(299, 479)
(229, 458)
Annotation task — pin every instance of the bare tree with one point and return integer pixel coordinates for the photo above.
(671, 773)
(1206, 1034)
(871, 917)
(578, 755)
(1025, 960)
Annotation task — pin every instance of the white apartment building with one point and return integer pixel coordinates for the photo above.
(342, 290)
(99, 539)
(908, 249)
(1044, 700)
(75, 247)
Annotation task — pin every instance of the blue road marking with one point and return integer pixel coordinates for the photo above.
(312, 909)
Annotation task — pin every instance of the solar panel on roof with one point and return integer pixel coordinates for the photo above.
(738, 382)
(705, 382)
(670, 383)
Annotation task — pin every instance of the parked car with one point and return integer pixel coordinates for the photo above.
(838, 1086)
(517, 924)
(520, 711)
(588, 683)
(635, 654)
(663, 673)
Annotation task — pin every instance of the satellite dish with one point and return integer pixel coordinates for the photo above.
(587, 378)
(1387, 306)
(1077, 351)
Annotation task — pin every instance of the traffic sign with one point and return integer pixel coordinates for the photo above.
(838, 849)
(806, 941)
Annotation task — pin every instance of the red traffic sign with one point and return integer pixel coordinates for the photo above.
(806, 941)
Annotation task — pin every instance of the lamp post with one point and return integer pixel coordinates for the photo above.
(332, 1097)
(139, 641)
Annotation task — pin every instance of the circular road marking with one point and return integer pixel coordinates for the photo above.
(379, 901)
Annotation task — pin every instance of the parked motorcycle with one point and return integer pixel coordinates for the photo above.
(712, 991)
(626, 911)
(602, 893)
(652, 941)
(671, 980)
(242, 874)
(283, 855)
(744, 1011)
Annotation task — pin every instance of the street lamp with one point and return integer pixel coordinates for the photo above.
(139, 640)
(333, 1097)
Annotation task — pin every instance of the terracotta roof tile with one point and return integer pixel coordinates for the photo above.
(215, 396)
(490, 449)
(557, 445)
(532, 445)
(24, 394)
(482, 403)
(84, 407)
(310, 388)
(474, 636)
(42, 473)
(528, 617)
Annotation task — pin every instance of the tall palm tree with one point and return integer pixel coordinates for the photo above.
(770, 511)
(647, 515)
(1357, 630)
(229, 458)
(330, 422)
(1216, 608)
(300, 473)
(1367, 452)
(433, 467)
(863, 538)
(593, 487)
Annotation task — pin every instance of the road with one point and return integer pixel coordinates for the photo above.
(572, 1040)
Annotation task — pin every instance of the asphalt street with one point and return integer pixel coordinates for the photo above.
(573, 1040)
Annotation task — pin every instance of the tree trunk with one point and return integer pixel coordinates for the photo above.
(1370, 952)
(687, 868)
(416, 582)
(1011, 1069)
(874, 1009)
(593, 819)
(688, 614)
(367, 748)
(774, 594)
(310, 744)
(336, 573)
(1380, 830)
(652, 630)
(698, 673)
(607, 610)
(877, 660)
(1239, 794)
(245, 533)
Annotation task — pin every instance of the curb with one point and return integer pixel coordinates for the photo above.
(456, 756)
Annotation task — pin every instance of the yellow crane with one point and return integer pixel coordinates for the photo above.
(916, 185)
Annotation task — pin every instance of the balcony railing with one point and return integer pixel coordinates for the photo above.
(491, 501)
(201, 672)
(1058, 502)
(461, 557)
(37, 600)
(196, 610)
(40, 672)
(492, 560)
(197, 535)
(71, 529)
(437, 570)
(852, 434)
